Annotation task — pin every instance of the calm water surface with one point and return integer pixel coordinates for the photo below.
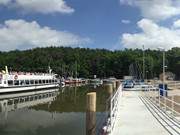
(48, 112)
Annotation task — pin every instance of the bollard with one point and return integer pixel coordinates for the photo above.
(109, 88)
(114, 85)
(91, 113)
(117, 84)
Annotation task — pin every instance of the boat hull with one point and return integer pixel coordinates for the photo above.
(26, 88)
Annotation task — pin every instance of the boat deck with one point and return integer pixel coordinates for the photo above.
(135, 119)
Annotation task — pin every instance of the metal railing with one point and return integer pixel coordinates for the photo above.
(167, 103)
(113, 109)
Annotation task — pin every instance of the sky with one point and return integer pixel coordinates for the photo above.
(109, 24)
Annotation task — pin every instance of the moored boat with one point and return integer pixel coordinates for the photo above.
(26, 81)
(96, 81)
(109, 80)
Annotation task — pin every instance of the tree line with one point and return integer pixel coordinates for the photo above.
(85, 62)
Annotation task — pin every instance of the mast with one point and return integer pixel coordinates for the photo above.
(6, 70)
(76, 69)
(50, 70)
(143, 63)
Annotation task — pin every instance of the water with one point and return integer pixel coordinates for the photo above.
(48, 112)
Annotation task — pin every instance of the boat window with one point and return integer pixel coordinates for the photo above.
(53, 81)
(40, 81)
(10, 82)
(22, 82)
(21, 100)
(43, 81)
(4, 82)
(16, 82)
(50, 81)
(36, 81)
(10, 102)
(16, 101)
(26, 99)
(27, 81)
(32, 81)
(46, 81)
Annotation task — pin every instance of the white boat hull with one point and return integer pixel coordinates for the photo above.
(26, 88)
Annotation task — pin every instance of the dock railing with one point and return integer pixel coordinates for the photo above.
(113, 105)
(165, 101)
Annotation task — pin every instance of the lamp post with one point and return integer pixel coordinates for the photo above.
(163, 68)
(147, 76)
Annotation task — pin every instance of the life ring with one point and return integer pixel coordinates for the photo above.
(15, 77)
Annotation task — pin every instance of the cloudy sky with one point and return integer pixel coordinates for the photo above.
(110, 24)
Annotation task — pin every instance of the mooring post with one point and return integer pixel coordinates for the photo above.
(91, 113)
(109, 88)
(114, 85)
(117, 84)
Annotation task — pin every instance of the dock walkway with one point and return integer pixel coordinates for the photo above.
(135, 119)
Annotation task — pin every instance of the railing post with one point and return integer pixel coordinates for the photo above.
(159, 95)
(173, 104)
(91, 113)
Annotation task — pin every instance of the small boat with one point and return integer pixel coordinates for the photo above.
(71, 80)
(96, 81)
(26, 81)
(109, 80)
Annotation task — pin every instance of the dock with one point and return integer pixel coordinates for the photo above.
(135, 119)
(143, 112)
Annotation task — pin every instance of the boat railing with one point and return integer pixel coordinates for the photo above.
(29, 73)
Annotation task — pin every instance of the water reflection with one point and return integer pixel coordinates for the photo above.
(49, 112)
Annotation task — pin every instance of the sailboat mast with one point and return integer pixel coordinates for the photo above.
(76, 69)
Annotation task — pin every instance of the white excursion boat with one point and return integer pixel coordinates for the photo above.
(21, 81)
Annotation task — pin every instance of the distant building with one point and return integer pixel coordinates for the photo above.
(168, 76)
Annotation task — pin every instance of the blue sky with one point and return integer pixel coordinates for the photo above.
(110, 24)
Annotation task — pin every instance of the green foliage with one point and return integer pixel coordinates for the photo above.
(67, 61)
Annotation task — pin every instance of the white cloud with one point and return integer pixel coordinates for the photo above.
(155, 9)
(152, 36)
(125, 21)
(39, 6)
(17, 34)
(176, 24)
(4, 2)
